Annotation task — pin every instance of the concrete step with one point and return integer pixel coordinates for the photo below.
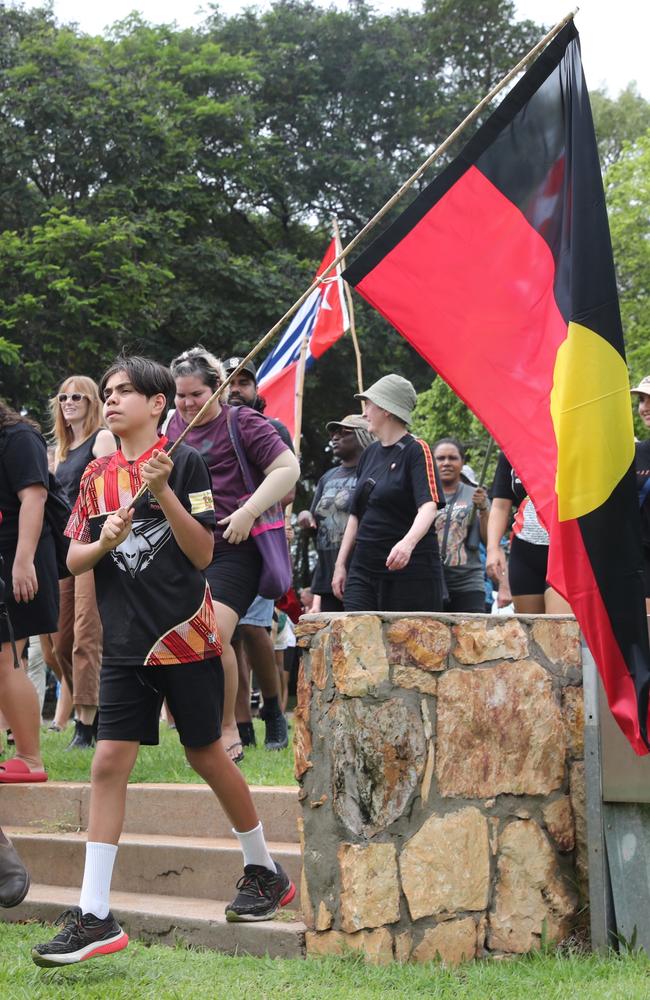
(172, 919)
(177, 810)
(203, 868)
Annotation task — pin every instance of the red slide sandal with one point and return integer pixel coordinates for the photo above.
(14, 771)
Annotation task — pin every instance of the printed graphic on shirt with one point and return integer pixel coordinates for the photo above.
(138, 550)
(196, 639)
(333, 509)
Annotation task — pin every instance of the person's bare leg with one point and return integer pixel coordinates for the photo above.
(111, 767)
(86, 714)
(243, 701)
(227, 782)
(19, 705)
(227, 621)
(261, 657)
(529, 604)
(282, 679)
(554, 603)
(63, 705)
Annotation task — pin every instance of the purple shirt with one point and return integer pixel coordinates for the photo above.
(260, 440)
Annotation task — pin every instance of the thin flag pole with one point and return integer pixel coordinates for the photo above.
(300, 392)
(352, 245)
(350, 304)
(481, 479)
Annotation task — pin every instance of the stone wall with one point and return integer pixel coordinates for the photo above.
(441, 773)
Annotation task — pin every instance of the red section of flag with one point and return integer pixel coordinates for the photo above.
(570, 572)
(332, 319)
(280, 395)
(506, 334)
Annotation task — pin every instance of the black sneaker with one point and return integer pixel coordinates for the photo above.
(276, 736)
(83, 936)
(247, 734)
(260, 894)
(83, 738)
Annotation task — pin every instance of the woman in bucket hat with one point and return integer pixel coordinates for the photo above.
(388, 560)
(642, 461)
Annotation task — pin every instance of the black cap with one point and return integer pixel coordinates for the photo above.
(233, 363)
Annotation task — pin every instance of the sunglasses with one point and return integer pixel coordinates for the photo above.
(74, 397)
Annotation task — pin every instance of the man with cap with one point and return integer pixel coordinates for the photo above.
(390, 543)
(642, 462)
(330, 507)
(252, 640)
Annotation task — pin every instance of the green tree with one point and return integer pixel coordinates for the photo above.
(627, 184)
(618, 121)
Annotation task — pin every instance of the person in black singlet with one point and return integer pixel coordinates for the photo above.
(389, 541)
(81, 436)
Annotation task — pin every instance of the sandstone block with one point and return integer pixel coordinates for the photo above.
(478, 641)
(412, 677)
(376, 946)
(452, 942)
(301, 747)
(531, 894)
(324, 917)
(319, 662)
(428, 774)
(558, 817)
(378, 754)
(359, 661)
(573, 709)
(559, 641)
(445, 866)
(419, 642)
(305, 901)
(499, 731)
(369, 886)
(305, 630)
(579, 806)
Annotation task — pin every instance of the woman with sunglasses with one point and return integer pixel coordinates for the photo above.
(234, 573)
(80, 436)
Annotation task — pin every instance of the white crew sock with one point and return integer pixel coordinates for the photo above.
(96, 886)
(254, 847)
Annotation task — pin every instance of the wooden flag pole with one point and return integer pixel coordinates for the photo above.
(300, 392)
(353, 244)
(350, 304)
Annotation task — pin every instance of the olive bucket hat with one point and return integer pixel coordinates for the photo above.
(392, 393)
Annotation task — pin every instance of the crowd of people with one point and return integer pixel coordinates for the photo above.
(162, 585)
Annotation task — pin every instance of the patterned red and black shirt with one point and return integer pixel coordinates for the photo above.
(154, 604)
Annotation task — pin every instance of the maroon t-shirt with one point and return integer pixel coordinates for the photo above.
(260, 440)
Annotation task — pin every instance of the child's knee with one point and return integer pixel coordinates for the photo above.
(111, 763)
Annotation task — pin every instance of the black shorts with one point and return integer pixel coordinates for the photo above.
(234, 575)
(527, 568)
(330, 603)
(469, 601)
(40, 616)
(130, 699)
(394, 592)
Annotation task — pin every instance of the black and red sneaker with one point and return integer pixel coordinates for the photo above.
(83, 936)
(261, 893)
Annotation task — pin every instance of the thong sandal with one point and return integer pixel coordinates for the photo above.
(237, 758)
(15, 771)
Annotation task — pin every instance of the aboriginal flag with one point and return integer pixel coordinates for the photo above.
(501, 275)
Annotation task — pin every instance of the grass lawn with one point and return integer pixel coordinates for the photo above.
(162, 973)
(167, 761)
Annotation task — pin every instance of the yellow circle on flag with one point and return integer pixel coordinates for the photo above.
(592, 417)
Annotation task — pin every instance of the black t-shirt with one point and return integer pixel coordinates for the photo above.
(642, 461)
(70, 470)
(331, 509)
(155, 606)
(23, 462)
(392, 483)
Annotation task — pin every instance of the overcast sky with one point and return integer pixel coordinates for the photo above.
(614, 35)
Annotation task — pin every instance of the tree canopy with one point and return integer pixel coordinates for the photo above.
(163, 187)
